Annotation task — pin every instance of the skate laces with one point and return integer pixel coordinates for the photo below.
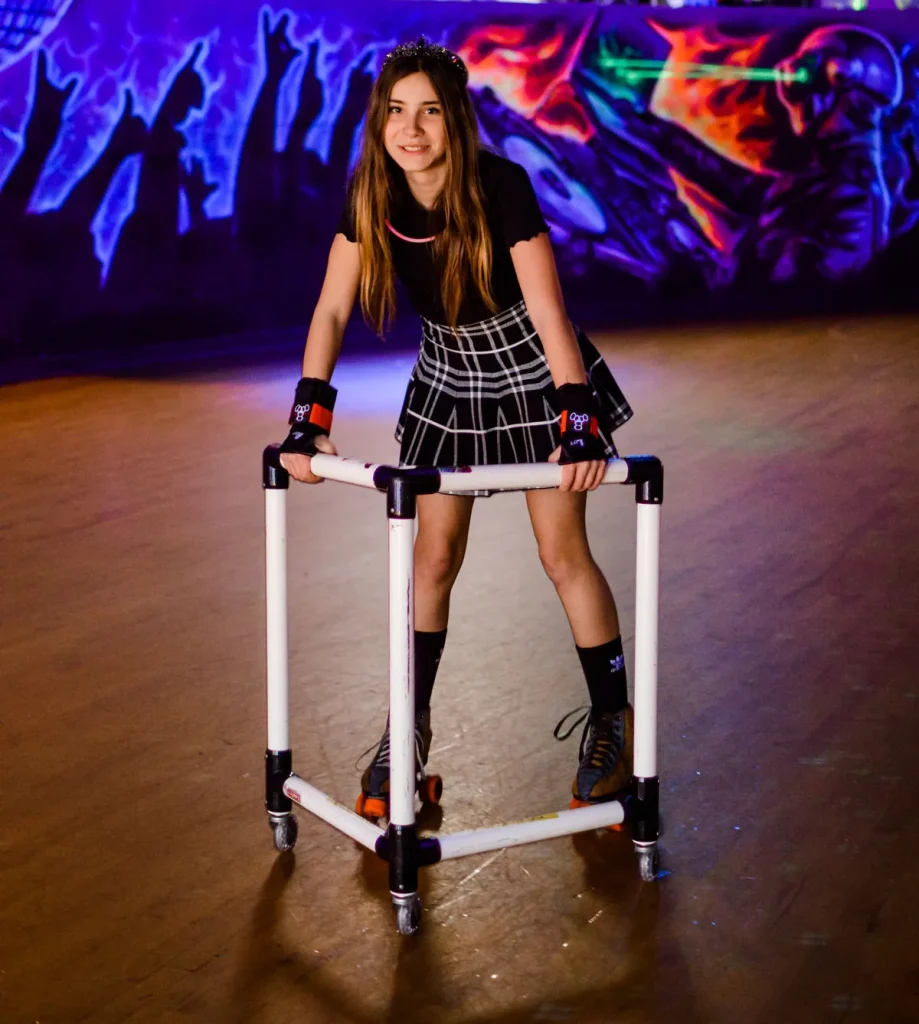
(603, 737)
(381, 757)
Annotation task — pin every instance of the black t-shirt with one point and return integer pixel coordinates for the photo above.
(513, 216)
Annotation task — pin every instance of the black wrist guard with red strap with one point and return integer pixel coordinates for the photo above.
(579, 424)
(310, 415)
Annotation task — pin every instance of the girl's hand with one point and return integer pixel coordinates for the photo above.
(300, 466)
(580, 476)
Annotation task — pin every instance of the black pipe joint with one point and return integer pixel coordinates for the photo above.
(278, 767)
(428, 850)
(274, 476)
(647, 473)
(644, 810)
(401, 849)
(402, 486)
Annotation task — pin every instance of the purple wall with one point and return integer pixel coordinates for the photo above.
(176, 170)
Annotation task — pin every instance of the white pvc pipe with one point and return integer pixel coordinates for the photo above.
(526, 476)
(647, 595)
(549, 826)
(276, 616)
(316, 802)
(511, 477)
(401, 672)
(346, 471)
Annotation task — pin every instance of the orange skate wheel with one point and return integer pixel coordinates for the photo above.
(370, 807)
(431, 790)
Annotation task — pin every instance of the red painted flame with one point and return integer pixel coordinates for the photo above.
(528, 66)
(564, 114)
(721, 226)
(729, 116)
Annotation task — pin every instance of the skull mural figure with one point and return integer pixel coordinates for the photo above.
(830, 217)
(834, 60)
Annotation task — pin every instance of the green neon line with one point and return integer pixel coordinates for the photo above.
(638, 69)
(645, 75)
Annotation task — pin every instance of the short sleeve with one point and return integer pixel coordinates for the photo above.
(346, 220)
(518, 208)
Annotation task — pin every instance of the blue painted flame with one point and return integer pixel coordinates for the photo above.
(156, 40)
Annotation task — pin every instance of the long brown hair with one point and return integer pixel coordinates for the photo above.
(463, 249)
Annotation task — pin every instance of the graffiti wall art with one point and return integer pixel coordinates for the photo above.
(177, 170)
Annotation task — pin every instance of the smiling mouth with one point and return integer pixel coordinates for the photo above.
(414, 150)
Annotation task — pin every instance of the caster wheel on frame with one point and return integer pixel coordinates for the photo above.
(431, 789)
(408, 915)
(284, 831)
(649, 863)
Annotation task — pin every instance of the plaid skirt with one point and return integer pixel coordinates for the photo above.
(485, 395)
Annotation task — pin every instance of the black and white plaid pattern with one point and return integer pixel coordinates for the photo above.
(484, 395)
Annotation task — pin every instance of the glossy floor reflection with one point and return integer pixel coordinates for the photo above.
(137, 877)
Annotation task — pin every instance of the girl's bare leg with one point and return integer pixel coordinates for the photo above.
(443, 530)
(559, 523)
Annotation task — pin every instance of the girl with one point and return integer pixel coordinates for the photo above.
(502, 376)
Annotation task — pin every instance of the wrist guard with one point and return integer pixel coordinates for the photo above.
(310, 415)
(579, 424)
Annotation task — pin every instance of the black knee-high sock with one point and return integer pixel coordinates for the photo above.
(604, 669)
(428, 649)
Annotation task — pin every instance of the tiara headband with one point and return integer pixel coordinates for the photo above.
(434, 51)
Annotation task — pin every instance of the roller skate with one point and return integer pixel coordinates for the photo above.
(604, 757)
(373, 803)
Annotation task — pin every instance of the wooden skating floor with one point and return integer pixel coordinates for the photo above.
(138, 881)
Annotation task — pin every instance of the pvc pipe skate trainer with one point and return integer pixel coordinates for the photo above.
(400, 844)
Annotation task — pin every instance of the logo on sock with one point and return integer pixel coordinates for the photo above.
(617, 664)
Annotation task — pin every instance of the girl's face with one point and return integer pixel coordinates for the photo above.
(414, 135)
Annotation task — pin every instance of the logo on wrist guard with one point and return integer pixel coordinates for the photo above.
(300, 412)
(579, 419)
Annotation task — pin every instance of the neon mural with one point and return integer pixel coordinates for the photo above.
(175, 168)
